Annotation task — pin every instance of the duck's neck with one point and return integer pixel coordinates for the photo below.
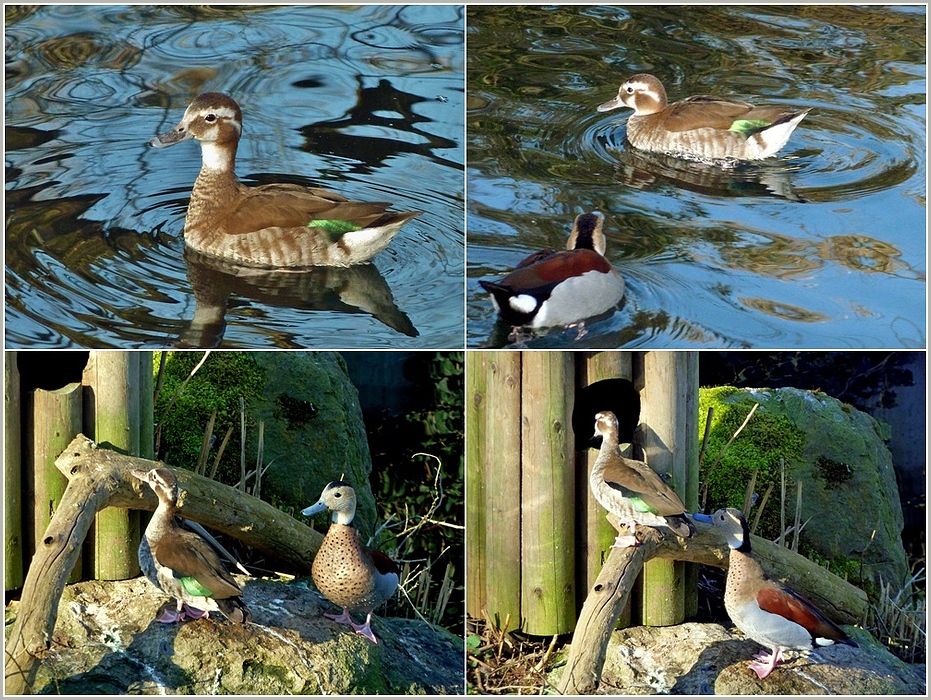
(343, 518)
(162, 520)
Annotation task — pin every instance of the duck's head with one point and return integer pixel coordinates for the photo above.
(588, 232)
(605, 424)
(162, 481)
(733, 524)
(643, 93)
(340, 498)
(215, 120)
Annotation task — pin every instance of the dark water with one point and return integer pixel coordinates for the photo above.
(823, 246)
(366, 101)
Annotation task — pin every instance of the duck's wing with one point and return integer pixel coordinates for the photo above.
(190, 556)
(637, 477)
(292, 206)
(708, 112)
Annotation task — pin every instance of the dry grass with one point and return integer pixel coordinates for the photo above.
(508, 663)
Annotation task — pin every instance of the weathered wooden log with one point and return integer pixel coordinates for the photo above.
(99, 478)
(838, 599)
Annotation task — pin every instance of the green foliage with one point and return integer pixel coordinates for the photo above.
(408, 450)
(761, 445)
(219, 384)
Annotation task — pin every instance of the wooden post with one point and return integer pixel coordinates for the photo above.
(548, 493)
(112, 416)
(670, 445)
(494, 451)
(12, 476)
(595, 533)
(53, 420)
(476, 418)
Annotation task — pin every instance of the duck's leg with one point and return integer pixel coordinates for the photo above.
(366, 629)
(170, 616)
(342, 618)
(766, 663)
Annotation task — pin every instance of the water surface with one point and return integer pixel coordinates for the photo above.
(823, 246)
(366, 101)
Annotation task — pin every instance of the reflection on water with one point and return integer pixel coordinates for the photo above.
(346, 290)
(822, 246)
(365, 101)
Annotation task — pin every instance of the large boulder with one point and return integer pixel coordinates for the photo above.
(850, 500)
(702, 659)
(107, 642)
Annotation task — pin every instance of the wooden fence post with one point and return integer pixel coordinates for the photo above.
(670, 445)
(548, 493)
(494, 503)
(53, 419)
(12, 476)
(112, 416)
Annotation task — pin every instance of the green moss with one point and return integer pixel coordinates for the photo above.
(219, 384)
(764, 442)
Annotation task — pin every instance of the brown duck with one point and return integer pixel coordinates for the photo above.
(276, 225)
(702, 127)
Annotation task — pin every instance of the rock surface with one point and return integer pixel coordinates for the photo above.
(107, 642)
(701, 659)
(314, 432)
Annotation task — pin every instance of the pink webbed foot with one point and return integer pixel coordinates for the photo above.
(170, 616)
(627, 540)
(766, 663)
(366, 629)
(193, 613)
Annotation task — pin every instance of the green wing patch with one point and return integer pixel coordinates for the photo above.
(193, 587)
(334, 226)
(748, 126)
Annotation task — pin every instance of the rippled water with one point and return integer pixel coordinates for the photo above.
(366, 101)
(822, 246)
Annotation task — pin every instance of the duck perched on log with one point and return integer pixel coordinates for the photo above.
(631, 490)
(347, 572)
(766, 610)
(182, 563)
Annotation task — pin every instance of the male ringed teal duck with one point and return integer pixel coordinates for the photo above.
(275, 225)
(560, 288)
(182, 563)
(347, 572)
(766, 610)
(703, 127)
(631, 490)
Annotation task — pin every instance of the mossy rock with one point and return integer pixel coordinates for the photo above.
(849, 493)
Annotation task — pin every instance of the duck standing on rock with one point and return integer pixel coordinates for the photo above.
(347, 572)
(182, 563)
(278, 225)
(702, 127)
(631, 490)
(766, 610)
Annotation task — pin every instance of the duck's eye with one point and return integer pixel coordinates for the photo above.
(338, 494)
(630, 89)
(211, 117)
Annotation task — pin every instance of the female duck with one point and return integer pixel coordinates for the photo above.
(183, 564)
(766, 610)
(560, 288)
(631, 490)
(347, 572)
(277, 225)
(702, 127)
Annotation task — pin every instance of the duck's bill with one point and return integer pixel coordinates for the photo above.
(610, 104)
(700, 518)
(170, 138)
